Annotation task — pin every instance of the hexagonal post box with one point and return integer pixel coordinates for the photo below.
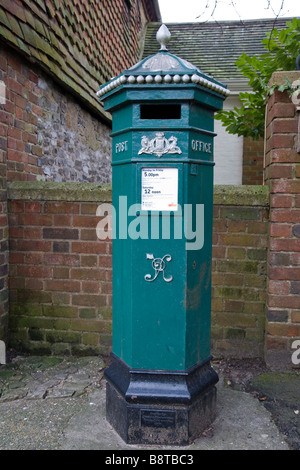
(160, 384)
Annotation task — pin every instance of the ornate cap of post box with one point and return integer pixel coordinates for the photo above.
(163, 68)
(160, 383)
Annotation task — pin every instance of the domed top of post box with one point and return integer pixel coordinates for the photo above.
(163, 68)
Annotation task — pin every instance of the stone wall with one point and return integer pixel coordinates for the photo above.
(75, 145)
(60, 273)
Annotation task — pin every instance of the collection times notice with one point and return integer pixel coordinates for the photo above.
(159, 189)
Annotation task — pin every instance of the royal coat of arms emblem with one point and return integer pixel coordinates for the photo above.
(160, 145)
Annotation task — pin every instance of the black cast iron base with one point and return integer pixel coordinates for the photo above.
(160, 407)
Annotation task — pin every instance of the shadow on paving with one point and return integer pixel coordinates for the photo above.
(278, 391)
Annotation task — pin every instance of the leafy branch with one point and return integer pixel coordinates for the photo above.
(282, 49)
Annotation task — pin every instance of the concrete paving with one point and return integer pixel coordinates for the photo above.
(59, 403)
(242, 424)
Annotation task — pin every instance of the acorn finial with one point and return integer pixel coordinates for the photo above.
(163, 36)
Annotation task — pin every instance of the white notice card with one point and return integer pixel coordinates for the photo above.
(159, 189)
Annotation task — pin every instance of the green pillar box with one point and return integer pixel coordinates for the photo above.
(160, 384)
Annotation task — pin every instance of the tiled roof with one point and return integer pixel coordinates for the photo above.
(214, 47)
(81, 43)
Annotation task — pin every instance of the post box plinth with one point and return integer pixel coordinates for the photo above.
(160, 407)
(161, 387)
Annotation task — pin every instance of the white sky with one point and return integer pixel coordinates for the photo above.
(185, 11)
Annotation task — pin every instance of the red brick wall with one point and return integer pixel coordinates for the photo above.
(19, 117)
(60, 273)
(60, 277)
(283, 178)
(253, 161)
(240, 241)
(19, 148)
(3, 251)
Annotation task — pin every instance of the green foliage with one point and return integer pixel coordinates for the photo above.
(282, 48)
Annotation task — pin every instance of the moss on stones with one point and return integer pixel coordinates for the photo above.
(241, 195)
(46, 190)
(52, 191)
